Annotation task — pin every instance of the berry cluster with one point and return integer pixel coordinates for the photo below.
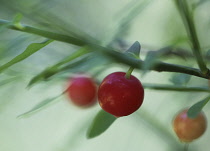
(122, 96)
(117, 95)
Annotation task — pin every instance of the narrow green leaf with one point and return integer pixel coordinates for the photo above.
(153, 56)
(197, 107)
(82, 51)
(80, 62)
(180, 79)
(125, 18)
(46, 74)
(59, 67)
(40, 106)
(17, 18)
(150, 60)
(6, 81)
(4, 26)
(199, 3)
(31, 49)
(100, 124)
(16, 21)
(39, 77)
(208, 53)
(135, 49)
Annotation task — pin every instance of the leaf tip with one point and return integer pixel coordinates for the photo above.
(137, 44)
(135, 48)
(20, 116)
(191, 114)
(89, 135)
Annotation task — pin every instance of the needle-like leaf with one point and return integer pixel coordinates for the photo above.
(40, 106)
(197, 107)
(31, 49)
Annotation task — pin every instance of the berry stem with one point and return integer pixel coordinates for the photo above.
(128, 73)
(186, 146)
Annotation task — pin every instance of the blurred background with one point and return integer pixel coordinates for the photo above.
(62, 126)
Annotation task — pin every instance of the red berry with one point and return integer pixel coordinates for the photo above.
(187, 129)
(120, 96)
(82, 90)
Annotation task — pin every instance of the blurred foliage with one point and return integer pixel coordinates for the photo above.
(32, 48)
(180, 79)
(39, 106)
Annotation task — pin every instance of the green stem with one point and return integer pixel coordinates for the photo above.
(117, 56)
(129, 72)
(191, 30)
(175, 88)
(186, 146)
(44, 33)
(159, 66)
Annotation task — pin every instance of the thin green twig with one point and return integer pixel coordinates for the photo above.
(44, 33)
(188, 20)
(186, 146)
(117, 56)
(175, 88)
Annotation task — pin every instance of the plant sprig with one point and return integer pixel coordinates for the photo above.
(188, 21)
(117, 56)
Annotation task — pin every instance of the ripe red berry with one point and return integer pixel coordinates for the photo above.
(187, 129)
(82, 90)
(120, 96)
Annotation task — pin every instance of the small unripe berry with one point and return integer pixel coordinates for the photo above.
(82, 90)
(187, 129)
